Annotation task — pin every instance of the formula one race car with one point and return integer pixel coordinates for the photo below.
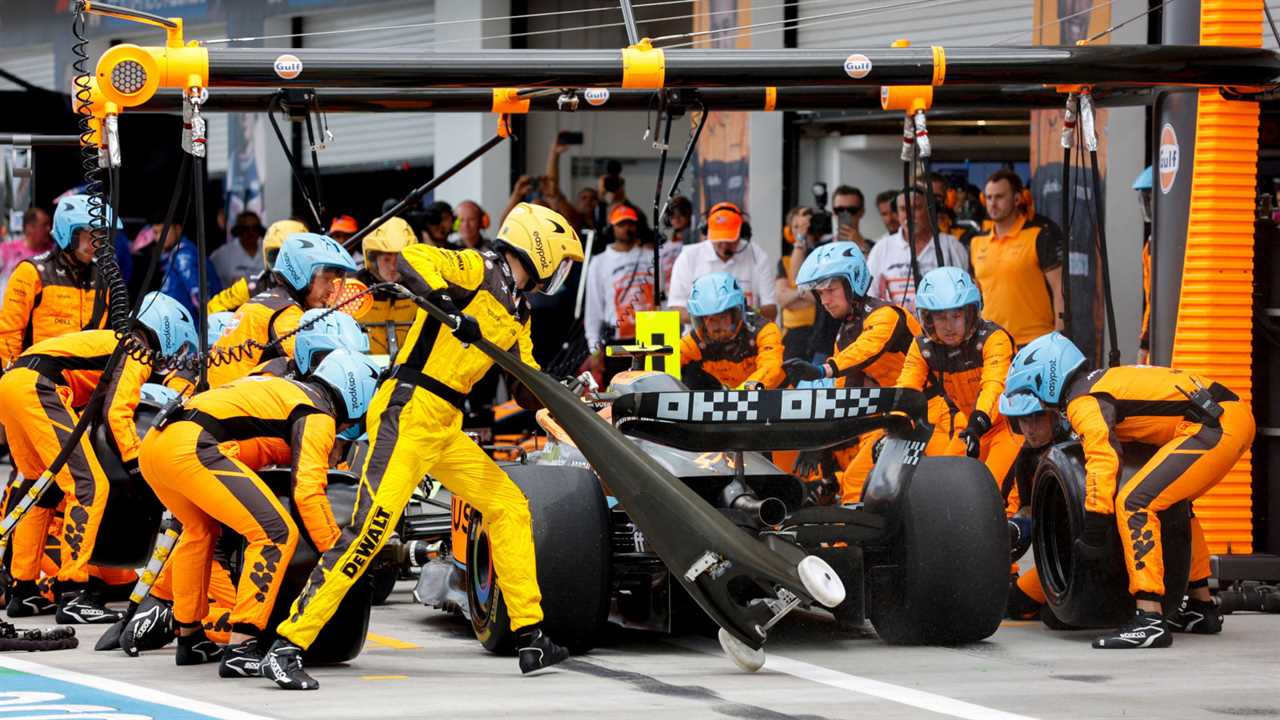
(924, 555)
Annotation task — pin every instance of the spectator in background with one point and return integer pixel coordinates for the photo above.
(798, 306)
(341, 229)
(588, 207)
(940, 187)
(847, 207)
(36, 238)
(182, 270)
(728, 249)
(619, 284)
(437, 223)
(612, 190)
(892, 276)
(471, 220)
(1018, 264)
(887, 204)
(677, 223)
(242, 257)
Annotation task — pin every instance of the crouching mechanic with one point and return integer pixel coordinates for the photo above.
(390, 316)
(1201, 430)
(319, 333)
(871, 347)
(964, 359)
(40, 397)
(202, 465)
(242, 290)
(415, 428)
(308, 269)
(728, 346)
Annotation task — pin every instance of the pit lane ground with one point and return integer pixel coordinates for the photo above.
(420, 663)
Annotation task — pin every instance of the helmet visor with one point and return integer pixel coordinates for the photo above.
(1020, 404)
(820, 284)
(553, 284)
(720, 327)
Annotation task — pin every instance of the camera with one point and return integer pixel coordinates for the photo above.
(820, 221)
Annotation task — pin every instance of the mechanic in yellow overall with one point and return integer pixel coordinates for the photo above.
(1200, 429)
(963, 359)
(415, 428)
(382, 249)
(40, 399)
(870, 348)
(242, 290)
(308, 269)
(729, 346)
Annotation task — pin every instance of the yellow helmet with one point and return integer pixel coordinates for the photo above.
(545, 242)
(392, 236)
(276, 234)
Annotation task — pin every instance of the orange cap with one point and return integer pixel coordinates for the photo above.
(724, 224)
(344, 223)
(623, 213)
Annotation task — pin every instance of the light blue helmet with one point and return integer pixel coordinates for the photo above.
(218, 324)
(353, 378)
(1143, 181)
(303, 254)
(324, 330)
(71, 215)
(836, 260)
(170, 322)
(715, 293)
(157, 394)
(1038, 373)
(947, 288)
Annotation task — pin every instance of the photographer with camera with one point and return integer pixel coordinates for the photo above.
(798, 308)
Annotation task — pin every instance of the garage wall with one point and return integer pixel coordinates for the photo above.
(942, 22)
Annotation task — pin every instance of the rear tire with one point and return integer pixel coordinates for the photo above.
(944, 578)
(573, 549)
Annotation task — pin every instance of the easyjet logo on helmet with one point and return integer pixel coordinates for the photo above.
(353, 391)
(540, 248)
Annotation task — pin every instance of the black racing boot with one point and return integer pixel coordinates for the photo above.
(85, 607)
(283, 664)
(196, 649)
(1021, 606)
(1196, 616)
(536, 650)
(241, 660)
(150, 628)
(1146, 630)
(26, 601)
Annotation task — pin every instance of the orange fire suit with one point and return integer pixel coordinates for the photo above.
(871, 348)
(415, 429)
(46, 296)
(40, 398)
(267, 316)
(387, 309)
(968, 378)
(202, 467)
(754, 354)
(1145, 405)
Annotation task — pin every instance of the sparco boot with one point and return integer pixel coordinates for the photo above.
(536, 650)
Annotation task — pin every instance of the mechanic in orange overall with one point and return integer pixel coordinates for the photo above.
(202, 464)
(40, 397)
(1201, 430)
(964, 359)
(729, 347)
(382, 249)
(308, 269)
(870, 348)
(230, 299)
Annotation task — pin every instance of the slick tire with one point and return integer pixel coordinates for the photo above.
(1085, 592)
(572, 545)
(131, 518)
(943, 577)
(383, 582)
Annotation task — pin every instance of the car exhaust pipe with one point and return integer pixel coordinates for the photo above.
(771, 512)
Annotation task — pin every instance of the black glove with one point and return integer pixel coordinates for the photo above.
(1019, 536)
(798, 369)
(466, 329)
(808, 463)
(442, 300)
(822, 491)
(131, 467)
(972, 434)
(1092, 542)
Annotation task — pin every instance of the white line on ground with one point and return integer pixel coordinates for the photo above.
(120, 687)
(932, 702)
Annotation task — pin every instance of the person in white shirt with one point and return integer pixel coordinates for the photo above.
(619, 284)
(242, 257)
(889, 262)
(728, 249)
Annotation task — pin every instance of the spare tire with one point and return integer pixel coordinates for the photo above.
(1083, 592)
(131, 519)
(943, 577)
(574, 554)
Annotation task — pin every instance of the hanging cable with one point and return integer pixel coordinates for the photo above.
(924, 151)
(1069, 130)
(294, 165)
(1139, 16)
(1050, 23)
(1099, 220)
(908, 190)
(662, 148)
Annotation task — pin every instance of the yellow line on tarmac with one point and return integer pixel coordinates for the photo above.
(390, 642)
(384, 677)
